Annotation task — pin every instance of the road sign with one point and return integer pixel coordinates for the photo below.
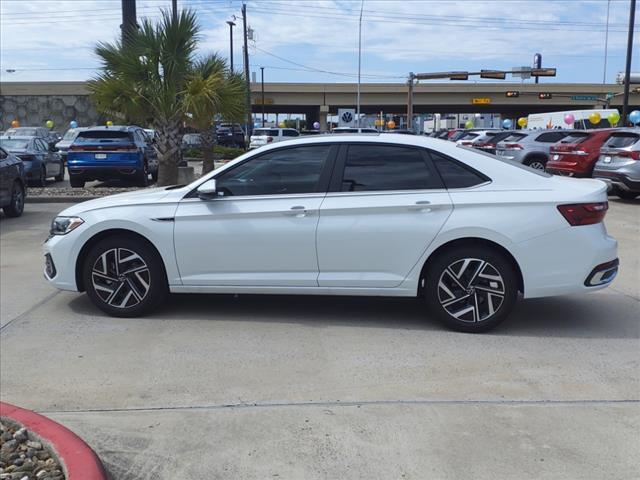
(481, 101)
(589, 98)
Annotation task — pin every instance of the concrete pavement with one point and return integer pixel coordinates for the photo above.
(311, 387)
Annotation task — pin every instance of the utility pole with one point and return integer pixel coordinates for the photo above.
(128, 18)
(231, 25)
(359, 63)
(174, 9)
(627, 77)
(606, 45)
(262, 88)
(246, 70)
(410, 102)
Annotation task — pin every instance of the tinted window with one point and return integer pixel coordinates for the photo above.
(622, 140)
(3, 154)
(551, 137)
(514, 137)
(103, 136)
(378, 167)
(70, 135)
(576, 137)
(266, 132)
(40, 145)
(290, 133)
(14, 143)
(455, 174)
(290, 170)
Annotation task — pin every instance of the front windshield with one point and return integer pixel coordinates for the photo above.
(14, 143)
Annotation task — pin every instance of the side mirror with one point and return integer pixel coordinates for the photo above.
(207, 190)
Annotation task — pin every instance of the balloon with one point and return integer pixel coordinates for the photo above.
(634, 116)
(522, 121)
(15, 124)
(595, 118)
(281, 124)
(614, 118)
(507, 123)
(49, 124)
(73, 124)
(109, 123)
(468, 124)
(569, 119)
(391, 124)
(316, 125)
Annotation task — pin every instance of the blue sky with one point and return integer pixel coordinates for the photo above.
(316, 41)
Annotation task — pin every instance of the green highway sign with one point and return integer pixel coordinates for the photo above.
(592, 98)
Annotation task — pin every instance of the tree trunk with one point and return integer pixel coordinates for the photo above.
(208, 141)
(168, 148)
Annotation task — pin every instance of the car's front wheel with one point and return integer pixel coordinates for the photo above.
(124, 276)
(471, 289)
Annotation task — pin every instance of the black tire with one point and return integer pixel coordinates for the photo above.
(470, 287)
(537, 163)
(143, 176)
(76, 182)
(60, 177)
(42, 179)
(626, 195)
(127, 297)
(16, 207)
(154, 175)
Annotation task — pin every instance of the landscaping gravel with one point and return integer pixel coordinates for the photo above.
(23, 457)
(77, 192)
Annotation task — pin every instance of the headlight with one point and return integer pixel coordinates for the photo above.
(64, 225)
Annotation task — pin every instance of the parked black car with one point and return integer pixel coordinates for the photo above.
(41, 161)
(230, 135)
(12, 184)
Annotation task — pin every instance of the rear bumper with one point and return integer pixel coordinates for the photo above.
(568, 169)
(619, 180)
(104, 173)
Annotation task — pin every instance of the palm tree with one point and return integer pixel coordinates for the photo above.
(212, 90)
(153, 78)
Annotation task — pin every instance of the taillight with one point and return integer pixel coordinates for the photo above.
(513, 146)
(626, 154)
(269, 139)
(465, 142)
(584, 213)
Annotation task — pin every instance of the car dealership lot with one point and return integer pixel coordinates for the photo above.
(326, 387)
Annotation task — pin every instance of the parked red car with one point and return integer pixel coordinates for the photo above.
(577, 154)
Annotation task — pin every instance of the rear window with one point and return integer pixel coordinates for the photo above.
(514, 137)
(14, 143)
(551, 137)
(103, 136)
(622, 140)
(454, 173)
(575, 137)
(265, 132)
(70, 135)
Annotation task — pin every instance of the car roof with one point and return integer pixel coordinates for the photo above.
(18, 137)
(119, 128)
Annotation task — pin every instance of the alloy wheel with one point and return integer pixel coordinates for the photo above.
(18, 199)
(471, 290)
(537, 165)
(121, 278)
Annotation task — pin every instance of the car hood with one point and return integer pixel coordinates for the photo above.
(137, 197)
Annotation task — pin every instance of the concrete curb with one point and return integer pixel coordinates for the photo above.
(59, 199)
(78, 459)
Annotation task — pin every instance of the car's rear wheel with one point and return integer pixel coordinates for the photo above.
(76, 182)
(626, 195)
(471, 289)
(143, 176)
(60, 176)
(124, 276)
(16, 207)
(537, 163)
(42, 179)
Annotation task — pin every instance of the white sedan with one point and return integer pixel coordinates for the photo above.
(386, 215)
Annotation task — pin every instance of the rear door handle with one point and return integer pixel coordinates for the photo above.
(421, 206)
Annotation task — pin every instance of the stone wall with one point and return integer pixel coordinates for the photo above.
(35, 110)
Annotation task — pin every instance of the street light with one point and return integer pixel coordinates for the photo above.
(231, 25)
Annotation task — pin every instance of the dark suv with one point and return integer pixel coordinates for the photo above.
(12, 184)
(112, 153)
(230, 135)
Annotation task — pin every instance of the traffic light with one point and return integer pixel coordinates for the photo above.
(512, 94)
(544, 96)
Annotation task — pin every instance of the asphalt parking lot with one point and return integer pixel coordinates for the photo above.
(307, 387)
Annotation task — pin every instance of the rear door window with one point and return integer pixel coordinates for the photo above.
(455, 174)
(382, 167)
(551, 137)
(622, 140)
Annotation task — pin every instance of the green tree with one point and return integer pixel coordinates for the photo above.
(154, 78)
(212, 90)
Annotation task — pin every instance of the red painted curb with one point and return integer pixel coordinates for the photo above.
(79, 461)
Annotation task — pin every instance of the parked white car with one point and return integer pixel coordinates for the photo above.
(386, 215)
(263, 136)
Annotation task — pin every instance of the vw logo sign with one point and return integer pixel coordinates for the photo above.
(347, 117)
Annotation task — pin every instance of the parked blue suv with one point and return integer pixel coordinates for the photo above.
(112, 153)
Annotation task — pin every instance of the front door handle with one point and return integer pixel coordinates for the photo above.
(298, 211)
